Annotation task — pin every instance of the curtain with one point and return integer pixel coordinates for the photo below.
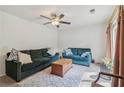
(108, 42)
(118, 65)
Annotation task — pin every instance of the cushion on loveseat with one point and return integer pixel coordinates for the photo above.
(44, 53)
(78, 58)
(68, 56)
(80, 51)
(74, 50)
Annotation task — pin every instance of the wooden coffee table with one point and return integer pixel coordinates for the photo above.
(61, 66)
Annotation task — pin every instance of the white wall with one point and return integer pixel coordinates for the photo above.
(2, 65)
(92, 36)
(21, 34)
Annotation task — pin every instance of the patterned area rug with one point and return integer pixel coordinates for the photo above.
(44, 79)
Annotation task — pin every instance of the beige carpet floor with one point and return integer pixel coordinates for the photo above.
(48, 80)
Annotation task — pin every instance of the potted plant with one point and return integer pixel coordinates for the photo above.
(108, 62)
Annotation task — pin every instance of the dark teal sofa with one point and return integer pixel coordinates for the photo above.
(41, 59)
(76, 57)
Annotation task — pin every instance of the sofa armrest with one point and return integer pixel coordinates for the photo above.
(13, 69)
(55, 57)
(89, 56)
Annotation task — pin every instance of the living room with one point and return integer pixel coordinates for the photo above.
(73, 45)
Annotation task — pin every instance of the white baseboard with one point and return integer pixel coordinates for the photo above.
(2, 75)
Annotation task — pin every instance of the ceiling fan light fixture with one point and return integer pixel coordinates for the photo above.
(55, 22)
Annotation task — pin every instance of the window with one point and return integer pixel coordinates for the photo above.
(113, 38)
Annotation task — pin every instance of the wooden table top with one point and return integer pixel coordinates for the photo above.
(63, 61)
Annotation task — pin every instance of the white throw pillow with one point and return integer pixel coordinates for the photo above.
(52, 51)
(24, 58)
(84, 54)
(68, 52)
(13, 55)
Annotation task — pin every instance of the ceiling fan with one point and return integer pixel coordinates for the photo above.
(55, 20)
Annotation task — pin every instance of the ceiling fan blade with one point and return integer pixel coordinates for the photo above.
(63, 22)
(61, 16)
(47, 23)
(57, 26)
(45, 17)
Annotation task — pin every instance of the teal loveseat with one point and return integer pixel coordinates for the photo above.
(77, 58)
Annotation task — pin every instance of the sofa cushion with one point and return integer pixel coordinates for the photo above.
(82, 50)
(79, 52)
(36, 53)
(74, 50)
(42, 60)
(78, 58)
(44, 52)
(35, 63)
(68, 56)
(29, 66)
(46, 55)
